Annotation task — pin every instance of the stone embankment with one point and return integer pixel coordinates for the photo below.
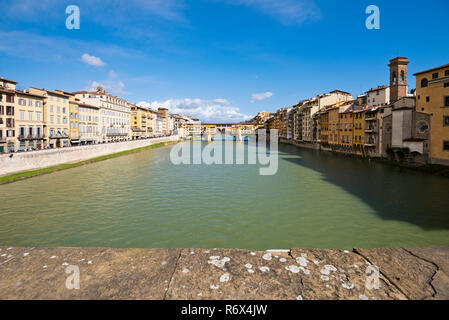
(26, 161)
(48, 273)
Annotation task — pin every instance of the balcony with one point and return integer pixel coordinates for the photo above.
(116, 134)
(30, 137)
(59, 135)
(371, 129)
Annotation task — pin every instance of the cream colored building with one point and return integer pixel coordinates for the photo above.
(7, 115)
(29, 120)
(115, 114)
(89, 126)
(56, 117)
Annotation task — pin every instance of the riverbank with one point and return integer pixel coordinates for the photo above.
(33, 173)
(405, 273)
(434, 169)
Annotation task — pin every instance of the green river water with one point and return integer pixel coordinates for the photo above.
(142, 200)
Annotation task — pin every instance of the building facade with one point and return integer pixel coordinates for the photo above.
(29, 121)
(7, 116)
(115, 114)
(432, 97)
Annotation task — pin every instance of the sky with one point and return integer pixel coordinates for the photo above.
(218, 60)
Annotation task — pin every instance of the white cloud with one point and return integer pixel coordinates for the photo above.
(261, 96)
(216, 110)
(114, 87)
(92, 60)
(285, 11)
(112, 84)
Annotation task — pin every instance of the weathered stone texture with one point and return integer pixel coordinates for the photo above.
(404, 273)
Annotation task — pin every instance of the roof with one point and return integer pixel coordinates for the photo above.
(344, 92)
(7, 80)
(29, 94)
(433, 69)
(378, 88)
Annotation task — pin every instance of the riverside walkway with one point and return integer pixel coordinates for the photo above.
(296, 274)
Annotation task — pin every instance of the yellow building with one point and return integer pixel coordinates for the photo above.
(74, 121)
(141, 122)
(29, 121)
(432, 97)
(359, 131)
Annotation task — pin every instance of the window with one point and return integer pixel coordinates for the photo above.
(424, 83)
(22, 115)
(446, 121)
(446, 84)
(394, 77)
(445, 145)
(427, 99)
(402, 76)
(52, 119)
(435, 75)
(446, 73)
(446, 101)
(30, 115)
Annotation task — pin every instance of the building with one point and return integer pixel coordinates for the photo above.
(141, 122)
(115, 114)
(398, 78)
(56, 117)
(7, 115)
(358, 133)
(163, 119)
(29, 120)
(406, 132)
(89, 124)
(324, 128)
(432, 97)
(379, 96)
(74, 121)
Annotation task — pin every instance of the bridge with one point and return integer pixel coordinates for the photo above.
(210, 131)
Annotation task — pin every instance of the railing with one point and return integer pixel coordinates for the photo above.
(30, 137)
(59, 136)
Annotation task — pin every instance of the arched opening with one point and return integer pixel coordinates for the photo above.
(399, 156)
(418, 158)
(390, 154)
(395, 77)
(402, 76)
(424, 83)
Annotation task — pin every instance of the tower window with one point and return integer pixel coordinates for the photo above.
(424, 83)
(394, 77)
(402, 76)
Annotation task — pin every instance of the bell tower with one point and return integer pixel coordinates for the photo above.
(398, 78)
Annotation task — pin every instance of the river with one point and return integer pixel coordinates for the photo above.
(316, 200)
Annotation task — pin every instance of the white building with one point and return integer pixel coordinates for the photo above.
(379, 96)
(115, 114)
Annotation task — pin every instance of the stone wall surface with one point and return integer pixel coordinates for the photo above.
(25, 161)
(218, 274)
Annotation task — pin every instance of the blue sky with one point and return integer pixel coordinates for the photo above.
(220, 60)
